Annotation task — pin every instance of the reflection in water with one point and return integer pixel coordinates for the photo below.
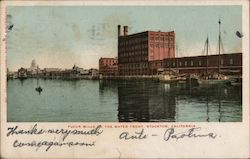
(207, 110)
(124, 101)
(145, 101)
(151, 101)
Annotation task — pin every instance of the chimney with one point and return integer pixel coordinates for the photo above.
(119, 30)
(125, 30)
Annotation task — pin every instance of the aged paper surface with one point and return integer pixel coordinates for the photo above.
(125, 79)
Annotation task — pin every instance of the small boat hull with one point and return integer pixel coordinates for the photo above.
(213, 81)
(236, 82)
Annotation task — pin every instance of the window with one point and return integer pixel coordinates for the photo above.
(231, 61)
(221, 61)
(174, 64)
(200, 63)
(185, 63)
(180, 63)
(191, 63)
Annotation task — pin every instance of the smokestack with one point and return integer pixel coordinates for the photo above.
(119, 30)
(125, 30)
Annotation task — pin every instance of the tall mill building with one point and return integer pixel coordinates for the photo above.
(138, 52)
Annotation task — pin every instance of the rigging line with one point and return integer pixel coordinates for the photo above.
(222, 47)
(203, 52)
(209, 48)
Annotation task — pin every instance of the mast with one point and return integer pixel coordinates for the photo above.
(207, 55)
(219, 46)
(177, 56)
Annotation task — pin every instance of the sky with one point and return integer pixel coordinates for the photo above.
(61, 36)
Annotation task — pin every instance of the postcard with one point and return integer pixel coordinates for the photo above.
(125, 79)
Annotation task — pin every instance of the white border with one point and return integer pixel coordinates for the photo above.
(234, 140)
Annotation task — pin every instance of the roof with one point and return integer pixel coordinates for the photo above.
(113, 58)
(146, 32)
(226, 54)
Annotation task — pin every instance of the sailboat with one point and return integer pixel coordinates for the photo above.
(39, 89)
(215, 78)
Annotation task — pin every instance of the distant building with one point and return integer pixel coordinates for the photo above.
(22, 73)
(69, 74)
(51, 72)
(84, 71)
(108, 66)
(11, 74)
(136, 51)
(33, 69)
(93, 72)
(33, 64)
(51, 69)
(81, 71)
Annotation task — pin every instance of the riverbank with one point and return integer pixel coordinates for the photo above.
(169, 78)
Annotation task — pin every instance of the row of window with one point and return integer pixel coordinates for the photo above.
(162, 38)
(135, 65)
(109, 62)
(162, 45)
(108, 70)
(145, 46)
(134, 59)
(133, 53)
(192, 63)
(167, 53)
(157, 64)
(136, 47)
(156, 57)
(135, 72)
(133, 41)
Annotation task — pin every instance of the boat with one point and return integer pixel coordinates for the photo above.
(168, 78)
(215, 78)
(39, 89)
(213, 81)
(236, 81)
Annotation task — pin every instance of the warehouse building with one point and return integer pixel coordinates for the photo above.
(225, 63)
(136, 51)
(108, 66)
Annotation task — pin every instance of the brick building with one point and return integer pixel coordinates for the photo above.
(136, 51)
(229, 64)
(108, 66)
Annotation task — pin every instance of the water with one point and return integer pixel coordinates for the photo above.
(113, 101)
